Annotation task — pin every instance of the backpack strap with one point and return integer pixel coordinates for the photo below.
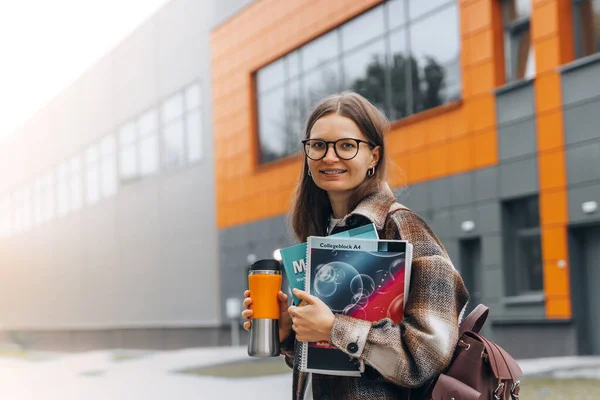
(475, 320)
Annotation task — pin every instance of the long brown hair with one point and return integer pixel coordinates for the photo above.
(311, 204)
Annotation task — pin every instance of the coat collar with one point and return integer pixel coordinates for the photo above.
(374, 207)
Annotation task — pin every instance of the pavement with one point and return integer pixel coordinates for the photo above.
(126, 374)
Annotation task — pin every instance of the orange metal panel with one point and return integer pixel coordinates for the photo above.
(547, 92)
(553, 208)
(544, 21)
(476, 16)
(485, 148)
(461, 156)
(550, 131)
(552, 171)
(547, 54)
(558, 307)
(556, 279)
(479, 79)
(554, 244)
(481, 112)
(419, 167)
(479, 47)
(439, 159)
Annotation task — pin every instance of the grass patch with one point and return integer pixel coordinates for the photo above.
(251, 368)
(558, 389)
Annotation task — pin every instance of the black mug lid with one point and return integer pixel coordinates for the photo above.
(266, 265)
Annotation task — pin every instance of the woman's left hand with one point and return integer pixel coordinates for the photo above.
(313, 321)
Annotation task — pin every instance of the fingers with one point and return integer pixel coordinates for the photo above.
(247, 302)
(282, 296)
(247, 314)
(302, 295)
(247, 293)
(247, 325)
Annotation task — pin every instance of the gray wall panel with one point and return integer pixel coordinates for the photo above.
(577, 196)
(486, 184)
(581, 122)
(533, 340)
(489, 218)
(515, 104)
(519, 178)
(441, 196)
(517, 140)
(583, 163)
(462, 191)
(461, 214)
(581, 83)
(106, 263)
(491, 246)
(416, 197)
(441, 223)
(492, 285)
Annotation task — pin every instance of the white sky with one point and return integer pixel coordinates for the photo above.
(45, 45)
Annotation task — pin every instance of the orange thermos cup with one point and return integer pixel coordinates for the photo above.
(264, 282)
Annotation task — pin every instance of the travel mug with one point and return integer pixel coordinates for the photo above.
(264, 282)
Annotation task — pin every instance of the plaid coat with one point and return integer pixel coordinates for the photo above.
(394, 357)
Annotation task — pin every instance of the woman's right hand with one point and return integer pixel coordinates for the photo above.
(285, 321)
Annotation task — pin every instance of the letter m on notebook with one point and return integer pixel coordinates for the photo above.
(299, 266)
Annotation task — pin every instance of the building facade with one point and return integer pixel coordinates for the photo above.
(131, 205)
(495, 106)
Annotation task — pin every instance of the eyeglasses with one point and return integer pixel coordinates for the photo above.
(346, 148)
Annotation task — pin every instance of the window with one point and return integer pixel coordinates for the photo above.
(38, 201)
(193, 122)
(172, 123)
(403, 55)
(75, 185)
(108, 170)
(26, 210)
(587, 27)
(48, 197)
(92, 174)
(147, 125)
(128, 152)
(181, 125)
(518, 48)
(101, 180)
(522, 246)
(62, 187)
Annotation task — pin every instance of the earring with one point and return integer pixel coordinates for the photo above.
(370, 172)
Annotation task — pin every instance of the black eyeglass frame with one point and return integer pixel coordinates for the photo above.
(334, 143)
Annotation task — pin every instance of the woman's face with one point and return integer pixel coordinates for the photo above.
(334, 174)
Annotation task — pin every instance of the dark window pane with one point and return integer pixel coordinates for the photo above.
(270, 76)
(364, 72)
(417, 8)
(521, 56)
(396, 14)
(320, 83)
(320, 50)
(530, 264)
(436, 37)
(516, 9)
(436, 58)
(271, 120)
(587, 21)
(363, 28)
(293, 64)
(295, 117)
(398, 70)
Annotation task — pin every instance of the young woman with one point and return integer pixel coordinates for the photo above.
(342, 187)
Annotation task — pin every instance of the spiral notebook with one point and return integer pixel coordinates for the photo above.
(293, 258)
(361, 278)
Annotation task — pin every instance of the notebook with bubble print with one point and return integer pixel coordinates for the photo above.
(361, 278)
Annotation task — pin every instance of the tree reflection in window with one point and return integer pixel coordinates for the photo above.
(413, 67)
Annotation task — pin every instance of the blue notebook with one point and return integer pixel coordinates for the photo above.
(293, 258)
